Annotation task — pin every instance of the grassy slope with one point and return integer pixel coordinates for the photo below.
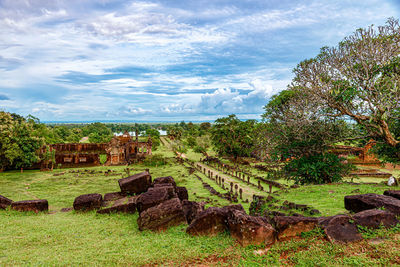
(74, 238)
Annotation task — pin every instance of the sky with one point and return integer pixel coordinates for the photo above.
(164, 60)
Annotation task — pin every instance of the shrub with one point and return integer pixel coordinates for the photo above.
(155, 160)
(317, 169)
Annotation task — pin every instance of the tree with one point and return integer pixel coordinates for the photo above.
(155, 137)
(233, 137)
(97, 132)
(358, 80)
(19, 146)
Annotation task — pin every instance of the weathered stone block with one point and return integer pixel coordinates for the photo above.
(250, 230)
(125, 205)
(357, 203)
(192, 209)
(375, 218)
(88, 202)
(113, 196)
(212, 221)
(31, 205)
(135, 184)
(155, 196)
(182, 193)
(160, 217)
(164, 180)
(4, 202)
(291, 226)
(392, 193)
(341, 230)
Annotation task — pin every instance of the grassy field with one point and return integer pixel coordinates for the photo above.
(74, 238)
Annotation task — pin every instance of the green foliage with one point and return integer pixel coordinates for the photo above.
(233, 137)
(316, 169)
(380, 232)
(97, 132)
(19, 144)
(155, 137)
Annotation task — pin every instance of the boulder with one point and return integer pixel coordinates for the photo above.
(160, 217)
(192, 209)
(4, 202)
(126, 205)
(291, 226)
(375, 218)
(212, 221)
(155, 196)
(31, 205)
(357, 203)
(88, 202)
(113, 196)
(135, 184)
(341, 230)
(250, 230)
(392, 193)
(182, 193)
(164, 180)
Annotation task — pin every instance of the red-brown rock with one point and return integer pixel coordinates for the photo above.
(291, 226)
(135, 184)
(160, 217)
(192, 209)
(212, 221)
(113, 196)
(125, 205)
(88, 202)
(164, 180)
(392, 193)
(154, 196)
(31, 205)
(250, 230)
(375, 218)
(357, 203)
(4, 202)
(341, 230)
(182, 193)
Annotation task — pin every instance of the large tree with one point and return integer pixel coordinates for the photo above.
(359, 80)
(233, 137)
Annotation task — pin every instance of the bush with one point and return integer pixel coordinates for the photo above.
(317, 169)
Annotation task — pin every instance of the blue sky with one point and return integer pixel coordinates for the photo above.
(164, 60)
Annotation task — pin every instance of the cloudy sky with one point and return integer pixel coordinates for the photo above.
(165, 60)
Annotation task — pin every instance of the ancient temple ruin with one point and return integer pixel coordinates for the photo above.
(120, 150)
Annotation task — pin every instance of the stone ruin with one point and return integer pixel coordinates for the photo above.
(162, 204)
(120, 150)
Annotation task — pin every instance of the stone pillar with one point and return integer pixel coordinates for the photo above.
(231, 187)
(236, 189)
(240, 193)
(223, 181)
(248, 179)
(270, 188)
(259, 184)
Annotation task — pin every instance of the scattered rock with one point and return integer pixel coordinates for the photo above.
(392, 193)
(162, 216)
(31, 205)
(155, 196)
(250, 230)
(357, 203)
(4, 202)
(113, 196)
(212, 221)
(126, 205)
(164, 180)
(88, 202)
(341, 230)
(135, 184)
(182, 193)
(291, 226)
(192, 209)
(375, 218)
(314, 212)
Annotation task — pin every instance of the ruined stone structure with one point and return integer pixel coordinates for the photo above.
(120, 150)
(363, 154)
